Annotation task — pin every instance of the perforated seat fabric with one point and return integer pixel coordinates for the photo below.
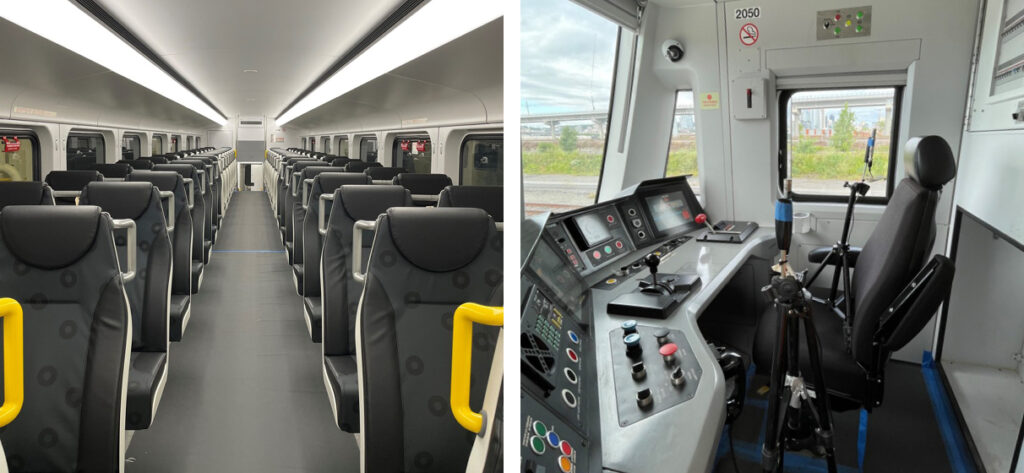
(381, 173)
(60, 263)
(312, 241)
(343, 381)
(338, 291)
(423, 184)
(70, 181)
(25, 193)
(181, 244)
(145, 374)
(424, 264)
(488, 198)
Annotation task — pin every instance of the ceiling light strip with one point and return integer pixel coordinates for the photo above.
(433, 25)
(65, 24)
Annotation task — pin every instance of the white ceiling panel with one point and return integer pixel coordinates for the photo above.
(290, 43)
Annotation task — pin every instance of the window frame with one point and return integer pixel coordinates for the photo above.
(135, 136)
(325, 144)
(396, 143)
(303, 143)
(86, 134)
(37, 155)
(479, 137)
(611, 109)
(781, 163)
(375, 140)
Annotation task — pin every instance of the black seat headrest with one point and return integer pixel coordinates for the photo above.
(49, 237)
(299, 166)
(380, 173)
(24, 193)
(488, 198)
(72, 180)
(119, 199)
(367, 202)
(159, 160)
(423, 184)
(163, 180)
(331, 181)
(187, 171)
(141, 163)
(117, 170)
(340, 162)
(355, 166)
(929, 161)
(439, 239)
(310, 172)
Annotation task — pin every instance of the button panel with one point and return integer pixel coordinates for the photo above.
(844, 23)
(559, 449)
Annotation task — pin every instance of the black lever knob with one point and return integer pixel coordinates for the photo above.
(652, 261)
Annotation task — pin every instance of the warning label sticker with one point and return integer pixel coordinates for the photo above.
(749, 34)
(709, 101)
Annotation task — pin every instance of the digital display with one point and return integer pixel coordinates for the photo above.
(559, 278)
(668, 211)
(593, 229)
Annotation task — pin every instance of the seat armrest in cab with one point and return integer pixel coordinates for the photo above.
(818, 255)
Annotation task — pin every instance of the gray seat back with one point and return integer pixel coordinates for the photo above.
(423, 265)
(25, 193)
(488, 198)
(209, 188)
(902, 239)
(339, 291)
(149, 292)
(112, 170)
(145, 164)
(379, 173)
(285, 197)
(299, 207)
(59, 262)
(356, 166)
(181, 236)
(312, 241)
(71, 181)
(198, 211)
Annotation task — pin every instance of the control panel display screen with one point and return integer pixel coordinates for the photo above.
(593, 229)
(668, 211)
(559, 278)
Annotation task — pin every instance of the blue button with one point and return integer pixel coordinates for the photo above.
(553, 439)
(572, 336)
(629, 326)
(632, 339)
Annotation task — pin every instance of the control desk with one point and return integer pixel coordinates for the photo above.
(619, 392)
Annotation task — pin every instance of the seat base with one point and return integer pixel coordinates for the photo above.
(197, 276)
(342, 382)
(312, 309)
(297, 276)
(181, 310)
(207, 251)
(288, 248)
(147, 376)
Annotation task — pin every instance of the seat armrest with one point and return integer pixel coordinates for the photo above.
(818, 255)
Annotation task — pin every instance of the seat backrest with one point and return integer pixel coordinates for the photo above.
(339, 292)
(902, 239)
(60, 263)
(148, 293)
(299, 209)
(159, 160)
(211, 190)
(488, 198)
(198, 211)
(112, 170)
(25, 193)
(294, 199)
(356, 166)
(181, 236)
(71, 181)
(141, 163)
(423, 184)
(379, 173)
(424, 264)
(312, 241)
(284, 193)
(341, 162)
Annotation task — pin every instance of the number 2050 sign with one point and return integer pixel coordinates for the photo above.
(748, 13)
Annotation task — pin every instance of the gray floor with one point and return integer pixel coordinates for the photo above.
(244, 391)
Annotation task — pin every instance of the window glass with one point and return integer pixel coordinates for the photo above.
(174, 143)
(481, 161)
(312, 144)
(325, 143)
(412, 153)
(368, 149)
(21, 165)
(158, 145)
(568, 63)
(827, 134)
(190, 143)
(682, 149)
(303, 143)
(199, 142)
(84, 150)
(131, 146)
(342, 147)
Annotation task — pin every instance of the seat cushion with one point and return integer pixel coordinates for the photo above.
(344, 384)
(180, 304)
(313, 311)
(288, 248)
(145, 374)
(297, 272)
(207, 248)
(843, 377)
(197, 276)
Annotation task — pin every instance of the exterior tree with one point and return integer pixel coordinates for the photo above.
(569, 139)
(842, 133)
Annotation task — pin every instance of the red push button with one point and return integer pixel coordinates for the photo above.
(618, 244)
(611, 219)
(597, 254)
(572, 355)
(668, 349)
(565, 448)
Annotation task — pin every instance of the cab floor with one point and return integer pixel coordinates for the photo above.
(244, 389)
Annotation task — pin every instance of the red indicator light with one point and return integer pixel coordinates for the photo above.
(611, 219)
(838, 17)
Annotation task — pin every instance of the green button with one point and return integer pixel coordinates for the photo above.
(608, 249)
(838, 30)
(538, 446)
(540, 429)
(860, 15)
(860, 28)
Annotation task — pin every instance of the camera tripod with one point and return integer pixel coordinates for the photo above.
(791, 396)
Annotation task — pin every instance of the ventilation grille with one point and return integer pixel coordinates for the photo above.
(251, 123)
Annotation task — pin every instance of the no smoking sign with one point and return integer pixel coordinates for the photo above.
(749, 34)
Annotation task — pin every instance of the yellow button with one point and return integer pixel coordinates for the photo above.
(565, 464)
(848, 23)
(611, 281)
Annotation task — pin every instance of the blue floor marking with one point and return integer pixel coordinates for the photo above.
(956, 447)
(862, 438)
(248, 251)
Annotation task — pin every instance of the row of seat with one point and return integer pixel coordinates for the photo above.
(382, 264)
(106, 283)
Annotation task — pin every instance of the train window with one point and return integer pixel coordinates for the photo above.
(85, 149)
(412, 153)
(312, 143)
(825, 134)
(131, 146)
(342, 146)
(188, 144)
(368, 149)
(568, 56)
(325, 143)
(158, 145)
(199, 142)
(303, 143)
(22, 162)
(682, 148)
(174, 143)
(481, 160)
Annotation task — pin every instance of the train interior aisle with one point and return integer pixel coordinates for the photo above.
(269, 240)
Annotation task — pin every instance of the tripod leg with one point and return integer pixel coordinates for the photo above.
(839, 267)
(770, 453)
(821, 402)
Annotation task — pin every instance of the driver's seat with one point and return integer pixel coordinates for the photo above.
(894, 253)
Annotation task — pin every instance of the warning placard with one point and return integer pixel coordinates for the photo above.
(749, 34)
(709, 101)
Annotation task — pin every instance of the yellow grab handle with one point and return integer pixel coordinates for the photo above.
(14, 360)
(462, 358)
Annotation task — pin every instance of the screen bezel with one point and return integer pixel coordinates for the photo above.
(688, 197)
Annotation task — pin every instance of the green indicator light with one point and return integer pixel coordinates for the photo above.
(608, 249)
(860, 28)
(538, 445)
(540, 428)
(860, 15)
(838, 30)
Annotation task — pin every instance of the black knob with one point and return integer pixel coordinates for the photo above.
(678, 379)
(638, 371)
(652, 261)
(644, 398)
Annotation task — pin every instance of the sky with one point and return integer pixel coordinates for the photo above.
(567, 56)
